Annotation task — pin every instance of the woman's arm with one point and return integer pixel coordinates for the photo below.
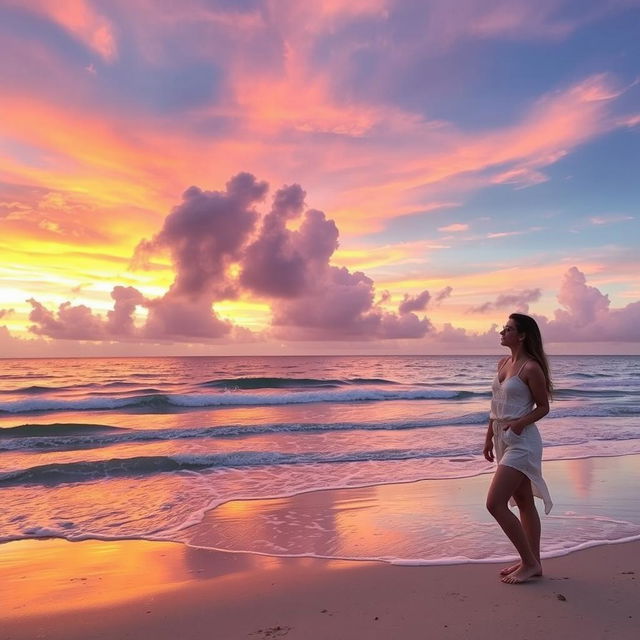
(487, 452)
(488, 440)
(535, 380)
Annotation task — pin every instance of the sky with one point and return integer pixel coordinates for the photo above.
(340, 176)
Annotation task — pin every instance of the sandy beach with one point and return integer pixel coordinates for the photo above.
(51, 588)
(103, 590)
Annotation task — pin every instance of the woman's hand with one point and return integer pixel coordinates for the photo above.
(514, 427)
(488, 450)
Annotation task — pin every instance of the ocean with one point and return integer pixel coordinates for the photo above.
(231, 453)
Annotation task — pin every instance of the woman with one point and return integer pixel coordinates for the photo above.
(521, 391)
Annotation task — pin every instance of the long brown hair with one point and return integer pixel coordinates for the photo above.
(533, 344)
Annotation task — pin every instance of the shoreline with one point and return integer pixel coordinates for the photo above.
(417, 522)
(439, 522)
(114, 589)
(74, 590)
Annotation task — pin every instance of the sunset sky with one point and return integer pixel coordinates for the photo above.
(322, 176)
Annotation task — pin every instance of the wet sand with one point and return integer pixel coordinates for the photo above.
(107, 590)
(134, 589)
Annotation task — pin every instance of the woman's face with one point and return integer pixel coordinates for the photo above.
(509, 336)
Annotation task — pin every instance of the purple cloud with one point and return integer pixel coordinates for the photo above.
(583, 304)
(209, 232)
(205, 234)
(183, 318)
(68, 323)
(280, 261)
(415, 303)
(517, 301)
(444, 294)
(339, 305)
(120, 319)
(312, 299)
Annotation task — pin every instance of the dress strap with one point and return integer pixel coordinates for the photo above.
(524, 364)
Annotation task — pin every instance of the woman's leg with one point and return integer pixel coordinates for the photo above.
(506, 482)
(530, 520)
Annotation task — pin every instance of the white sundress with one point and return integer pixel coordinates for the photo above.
(511, 400)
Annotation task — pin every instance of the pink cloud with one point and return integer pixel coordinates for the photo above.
(283, 263)
(453, 228)
(340, 306)
(613, 219)
(312, 299)
(516, 301)
(587, 315)
(205, 234)
(68, 323)
(120, 319)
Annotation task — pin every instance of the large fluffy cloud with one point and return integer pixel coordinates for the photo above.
(218, 254)
(205, 235)
(79, 322)
(586, 315)
(68, 323)
(311, 298)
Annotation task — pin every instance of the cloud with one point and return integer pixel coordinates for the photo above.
(312, 299)
(613, 219)
(414, 303)
(452, 228)
(517, 301)
(171, 317)
(520, 176)
(219, 252)
(281, 263)
(68, 323)
(120, 319)
(205, 235)
(444, 294)
(582, 302)
(340, 306)
(215, 257)
(587, 316)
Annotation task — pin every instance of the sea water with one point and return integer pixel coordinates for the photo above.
(223, 452)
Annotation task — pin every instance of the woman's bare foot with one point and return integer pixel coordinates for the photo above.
(514, 567)
(523, 573)
(507, 570)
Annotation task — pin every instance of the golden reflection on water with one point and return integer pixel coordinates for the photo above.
(358, 523)
(580, 474)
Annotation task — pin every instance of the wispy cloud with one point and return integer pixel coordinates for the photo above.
(454, 227)
(613, 219)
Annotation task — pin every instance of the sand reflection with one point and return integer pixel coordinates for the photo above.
(41, 576)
